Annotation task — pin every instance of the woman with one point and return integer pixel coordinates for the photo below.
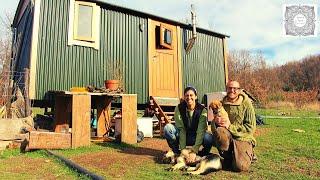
(190, 128)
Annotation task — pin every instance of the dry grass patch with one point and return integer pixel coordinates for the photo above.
(261, 131)
(31, 168)
(280, 105)
(303, 165)
(313, 106)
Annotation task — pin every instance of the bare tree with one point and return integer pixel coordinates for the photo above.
(5, 41)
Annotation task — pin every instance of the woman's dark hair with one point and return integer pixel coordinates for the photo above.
(188, 88)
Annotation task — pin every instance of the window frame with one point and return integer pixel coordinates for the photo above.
(164, 27)
(73, 39)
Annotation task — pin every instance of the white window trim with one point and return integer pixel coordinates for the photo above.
(95, 23)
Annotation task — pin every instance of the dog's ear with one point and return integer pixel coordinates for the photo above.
(212, 105)
(215, 104)
(219, 104)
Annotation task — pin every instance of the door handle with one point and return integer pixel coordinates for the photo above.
(154, 57)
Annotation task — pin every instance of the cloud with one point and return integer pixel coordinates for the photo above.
(293, 51)
(257, 25)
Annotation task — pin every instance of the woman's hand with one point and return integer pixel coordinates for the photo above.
(222, 122)
(191, 158)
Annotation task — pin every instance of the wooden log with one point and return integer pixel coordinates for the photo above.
(49, 140)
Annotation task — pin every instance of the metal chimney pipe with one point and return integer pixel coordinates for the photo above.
(194, 30)
(193, 18)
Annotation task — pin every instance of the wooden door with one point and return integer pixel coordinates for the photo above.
(164, 64)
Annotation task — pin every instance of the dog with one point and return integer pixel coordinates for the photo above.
(207, 164)
(201, 166)
(218, 110)
(181, 163)
(169, 157)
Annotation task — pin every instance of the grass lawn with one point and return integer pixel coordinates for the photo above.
(282, 154)
(288, 112)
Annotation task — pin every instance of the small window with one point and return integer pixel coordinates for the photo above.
(166, 36)
(84, 20)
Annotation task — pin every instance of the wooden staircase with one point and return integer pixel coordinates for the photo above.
(164, 114)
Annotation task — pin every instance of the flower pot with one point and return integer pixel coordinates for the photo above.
(112, 84)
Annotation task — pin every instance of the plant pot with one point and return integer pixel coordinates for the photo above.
(112, 84)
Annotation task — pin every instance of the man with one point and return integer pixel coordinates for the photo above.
(234, 136)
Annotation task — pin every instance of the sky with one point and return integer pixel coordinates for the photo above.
(252, 25)
(7, 7)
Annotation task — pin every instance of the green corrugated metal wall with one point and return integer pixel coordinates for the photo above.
(60, 66)
(203, 67)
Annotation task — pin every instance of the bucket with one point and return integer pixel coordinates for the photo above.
(145, 125)
(112, 84)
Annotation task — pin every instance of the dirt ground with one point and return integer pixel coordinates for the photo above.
(122, 162)
(22, 167)
(150, 150)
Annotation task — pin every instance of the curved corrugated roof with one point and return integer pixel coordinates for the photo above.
(139, 13)
(136, 12)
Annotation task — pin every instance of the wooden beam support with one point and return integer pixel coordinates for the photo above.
(49, 140)
(129, 119)
(62, 113)
(103, 113)
(81, 113)
(225, 56)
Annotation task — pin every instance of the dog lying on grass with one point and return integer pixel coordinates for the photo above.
(202, 165)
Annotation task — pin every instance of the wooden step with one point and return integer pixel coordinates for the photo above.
(169, 113)
(162, 101)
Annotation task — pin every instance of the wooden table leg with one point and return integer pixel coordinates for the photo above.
(103, 113)
(62, 114)
(129, 119)
(81, 113)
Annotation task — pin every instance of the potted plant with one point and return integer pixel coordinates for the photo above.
(115, 75)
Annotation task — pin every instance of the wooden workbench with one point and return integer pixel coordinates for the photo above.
(72, 110)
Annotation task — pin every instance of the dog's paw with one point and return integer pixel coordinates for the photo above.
(189, 169)
(186, 174)
(184, 168)
(169, 169)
